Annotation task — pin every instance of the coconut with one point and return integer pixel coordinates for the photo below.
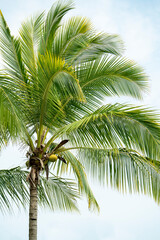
(53, 158)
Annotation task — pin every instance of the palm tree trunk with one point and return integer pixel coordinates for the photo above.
(33, 212)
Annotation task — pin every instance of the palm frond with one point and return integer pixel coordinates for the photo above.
(123, 169)
(52, 23)
(73, 30)
(10, 110)
(77, 41)
(13, 189)
(56, 82)
(95, 46)
(58, 193)
(116, 126)
(11, 52)
(14, 77)
(111, 75)
(98, 79)
(78, 169)
(30, 36)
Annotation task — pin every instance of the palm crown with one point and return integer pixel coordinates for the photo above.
(56, 76)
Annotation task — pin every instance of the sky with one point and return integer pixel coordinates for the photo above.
(122, 217)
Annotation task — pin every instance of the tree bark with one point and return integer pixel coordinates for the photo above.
(33, 212)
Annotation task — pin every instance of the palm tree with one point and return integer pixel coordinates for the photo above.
(56, 76)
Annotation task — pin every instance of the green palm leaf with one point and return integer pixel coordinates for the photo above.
(77, 168)
(116, 126)
(52, 23)
(11, 52)
(13, 188)
(77, 40)
(123, 169)
(30, 36)
(56, 193)
(111, 75)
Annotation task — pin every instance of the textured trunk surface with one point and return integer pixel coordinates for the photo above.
(33, 212)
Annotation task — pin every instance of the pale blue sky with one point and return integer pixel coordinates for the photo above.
(122, 217)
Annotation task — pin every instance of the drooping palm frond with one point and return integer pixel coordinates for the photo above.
(77, 168)
(13, 188)
(116, 126)
(56, 193)
(123, 169)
